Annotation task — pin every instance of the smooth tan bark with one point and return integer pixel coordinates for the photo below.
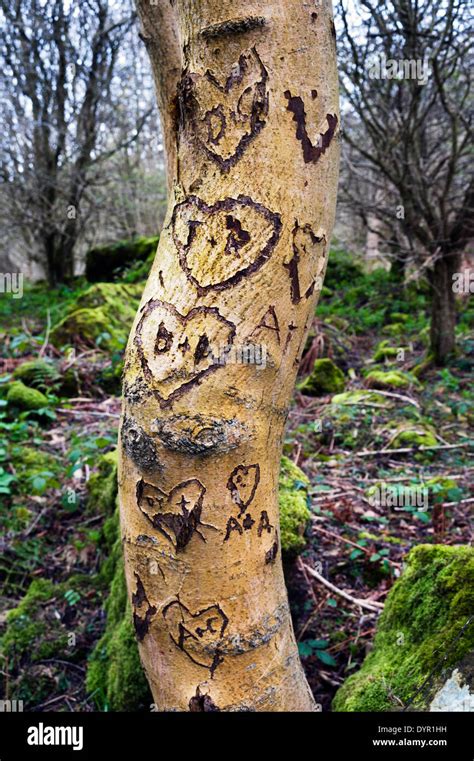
(240, 262)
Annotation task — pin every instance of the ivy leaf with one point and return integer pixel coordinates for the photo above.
(326, 658)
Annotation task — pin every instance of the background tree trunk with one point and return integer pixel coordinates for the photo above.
(443, 308)
(252, 130)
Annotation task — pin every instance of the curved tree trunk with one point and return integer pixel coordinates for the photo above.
(251, 120)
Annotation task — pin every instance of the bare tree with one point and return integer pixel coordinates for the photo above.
(406, 85)
(64, 108)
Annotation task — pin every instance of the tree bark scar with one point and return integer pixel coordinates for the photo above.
(271, 554)
(139, 599)
(139, 446)
(311, 153)
(236, 236)
(233, 26)
(299, 252)
(202, 703)
(200, 434)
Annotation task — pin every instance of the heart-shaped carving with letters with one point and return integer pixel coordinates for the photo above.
(176, 515)
(197, 634)
(177, 351)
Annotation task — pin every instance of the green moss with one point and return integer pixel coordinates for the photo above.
(25, 398)
(419, 435)
(384, 351)
(394, 329)
(422, 618)
(37, 373)
(389, 379)
(325, 378)
(34, 631)
(293, 501)
(104, 262)
(30, 462)
(102, 315)
(115, 677)
(102, 485)
(360, 397)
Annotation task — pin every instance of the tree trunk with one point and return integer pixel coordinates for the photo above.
(252, 130)
(443, 308)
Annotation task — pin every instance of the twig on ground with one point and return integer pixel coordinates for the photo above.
(375, 607)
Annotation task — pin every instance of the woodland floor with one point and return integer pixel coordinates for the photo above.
(359, 548)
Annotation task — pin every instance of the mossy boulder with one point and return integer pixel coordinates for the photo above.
(104, 263)
(414, 436)
(390, 379)
(354, 398)
(418, 632)
(37, 373)
(394, 329)
(385, 352)
(293, 501)
(326, 378)
(24, 397)
(101, 316)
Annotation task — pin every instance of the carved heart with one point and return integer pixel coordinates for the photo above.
(197, 634)
(242, 484)
(176, 351)
(220, 245)
(236, 108)
(176, 515)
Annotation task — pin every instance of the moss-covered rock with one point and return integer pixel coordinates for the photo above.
(293, 501)
(102, 315)
(384, 351)
(37, 373)
(394, 329)
(24, 397)
(349, 398)
(414, 436)
(104, 262)
(325, 378)
(419, 630)
(389, 379)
